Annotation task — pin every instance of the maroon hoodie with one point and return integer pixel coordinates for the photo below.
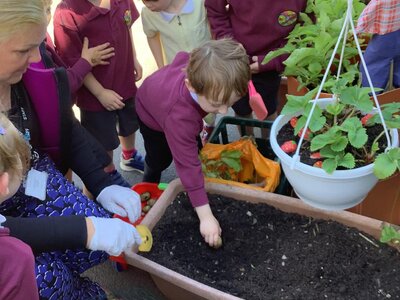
(261, 26)
(164, 104)
(17, 269)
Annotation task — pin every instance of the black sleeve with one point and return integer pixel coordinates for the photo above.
(88, 159)
(49, 233)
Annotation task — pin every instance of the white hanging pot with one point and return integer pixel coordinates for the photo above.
(337, 191)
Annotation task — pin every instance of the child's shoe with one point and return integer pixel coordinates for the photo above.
(135, 163)
(118, 179)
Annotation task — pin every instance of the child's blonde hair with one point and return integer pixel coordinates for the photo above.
(219, 68)
(15, 14)
(14, 150)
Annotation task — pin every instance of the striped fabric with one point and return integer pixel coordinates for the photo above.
(380, 17)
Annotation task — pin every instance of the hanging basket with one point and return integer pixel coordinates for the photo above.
(340, 189)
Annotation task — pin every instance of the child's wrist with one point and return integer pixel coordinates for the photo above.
(204, 212)
(90, 231)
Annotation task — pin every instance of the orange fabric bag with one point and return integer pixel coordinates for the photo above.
(263, 172)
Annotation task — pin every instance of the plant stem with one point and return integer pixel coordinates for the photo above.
(378, 137)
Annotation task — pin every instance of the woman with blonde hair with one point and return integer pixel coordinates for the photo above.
(63, 227)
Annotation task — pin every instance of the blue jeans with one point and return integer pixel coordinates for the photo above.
(381, 51)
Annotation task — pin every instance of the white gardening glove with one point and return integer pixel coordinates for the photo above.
(2, 220)
(122, 201)
(113, 236)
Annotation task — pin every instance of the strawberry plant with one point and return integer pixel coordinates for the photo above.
(345, 135)
(226, 167)
(311, 43)
(389, 234)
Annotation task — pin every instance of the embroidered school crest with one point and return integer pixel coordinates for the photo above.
(128, 18)
(287, 18)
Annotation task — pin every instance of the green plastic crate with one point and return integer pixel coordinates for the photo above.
(220, 136)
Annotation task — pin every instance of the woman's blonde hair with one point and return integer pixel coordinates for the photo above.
(217, 69)
(14, 150)
(15, 14)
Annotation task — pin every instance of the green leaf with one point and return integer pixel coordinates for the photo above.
(232, 163)
(305, 19)
(315, 67)
(358, 97)
(393, 123)
(327, 152)
(347, 161)
(211, 174)
(394, 154)
(295, 104)
(385, 166)
(317, 120)
(358, 137)
(356, 133)
(351, 124)
(320, 141)
(335, 108)
(231, 153)
(389, 234)
(339, 143)
(273, 54)
(375, 147)
(393, 107)
(329, 165)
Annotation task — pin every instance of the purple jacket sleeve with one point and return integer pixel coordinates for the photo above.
(218, 18)
(77, 73)
(183, 145)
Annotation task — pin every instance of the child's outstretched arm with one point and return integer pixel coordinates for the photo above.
(138, 67)
(97, 55)
(90, 57)
(156, 48)
(209, 226)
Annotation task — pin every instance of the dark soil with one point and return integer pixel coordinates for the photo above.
(269, 254)
(286, 133)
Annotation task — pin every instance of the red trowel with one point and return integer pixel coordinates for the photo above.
(256, 102)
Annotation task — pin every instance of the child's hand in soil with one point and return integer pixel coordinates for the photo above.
(209, 226)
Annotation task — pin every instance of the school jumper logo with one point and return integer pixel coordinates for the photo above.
(128, 18)
(287, 18)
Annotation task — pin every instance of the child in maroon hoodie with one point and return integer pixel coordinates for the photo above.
(171, 104)
(17, 263)
(260, 26)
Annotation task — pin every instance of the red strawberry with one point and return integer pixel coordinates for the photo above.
(315, 155)
(365, 119)
(306, 136)
(293, 122)
(318, 164)
(289, 146)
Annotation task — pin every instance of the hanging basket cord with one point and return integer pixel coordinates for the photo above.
(348, 22)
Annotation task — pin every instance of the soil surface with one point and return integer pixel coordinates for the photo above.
(269, 254)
